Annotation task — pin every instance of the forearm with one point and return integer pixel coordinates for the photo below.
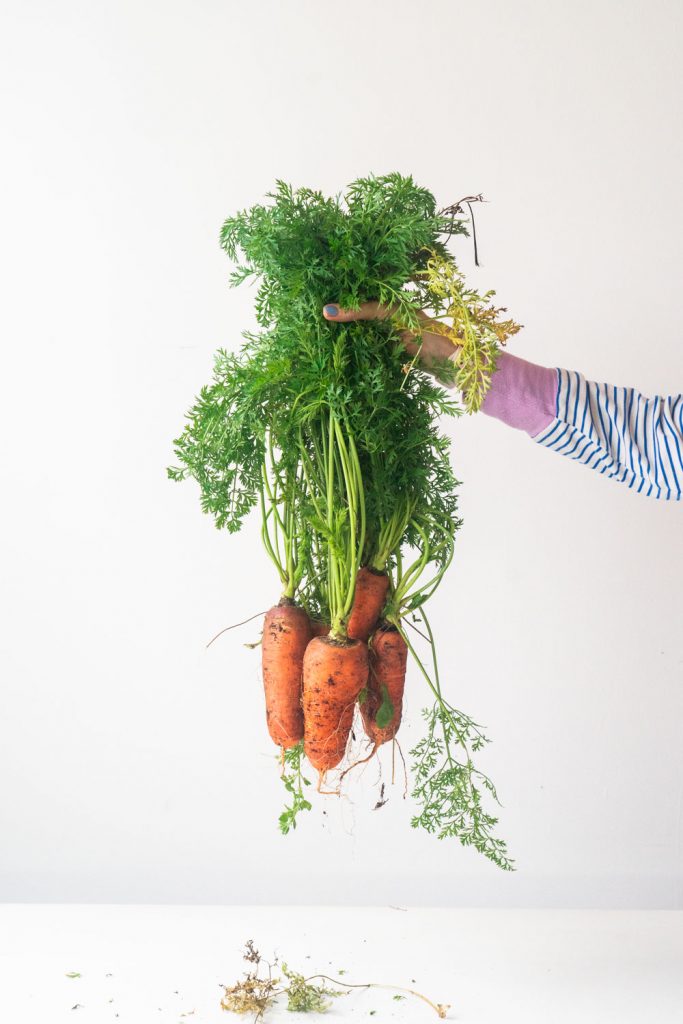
(522, 394)
(620, 433)
(615, 430)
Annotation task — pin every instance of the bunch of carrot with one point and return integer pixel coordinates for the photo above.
(313, 681)
(332, 433)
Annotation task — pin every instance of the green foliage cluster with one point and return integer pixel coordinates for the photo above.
(305, 997)
(449, 788)
(332, 433)
(294, 782)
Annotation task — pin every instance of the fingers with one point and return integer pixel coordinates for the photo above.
(368, 311)
(371, 310)
(431, 346)
(410, 346)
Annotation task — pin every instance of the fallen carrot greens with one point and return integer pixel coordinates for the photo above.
(260, 989)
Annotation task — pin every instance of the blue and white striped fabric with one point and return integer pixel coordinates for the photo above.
(620, 433)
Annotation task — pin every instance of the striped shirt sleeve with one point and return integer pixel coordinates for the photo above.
(620, 433)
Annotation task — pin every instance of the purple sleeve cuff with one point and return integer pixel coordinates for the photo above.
(522, 394)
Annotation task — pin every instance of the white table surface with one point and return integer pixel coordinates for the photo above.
(152, 964)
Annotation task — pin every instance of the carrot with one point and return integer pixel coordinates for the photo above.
(372, 587)
(334, 675)
(387, 661)
(286, 633)
(368, 705)
(319, 628)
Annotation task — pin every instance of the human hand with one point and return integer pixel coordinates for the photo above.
(431, 347)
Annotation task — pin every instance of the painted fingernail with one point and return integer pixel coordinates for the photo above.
(331, 310)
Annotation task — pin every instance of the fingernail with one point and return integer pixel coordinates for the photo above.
(331, 310)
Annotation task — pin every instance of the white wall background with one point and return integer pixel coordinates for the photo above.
(135, 763)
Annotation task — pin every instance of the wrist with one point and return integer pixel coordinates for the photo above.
(436, 349)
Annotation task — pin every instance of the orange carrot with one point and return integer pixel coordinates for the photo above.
(372, 587)
(387, 676)
(368, 705)
(319, 628)
(286, 633)
(334, 674)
